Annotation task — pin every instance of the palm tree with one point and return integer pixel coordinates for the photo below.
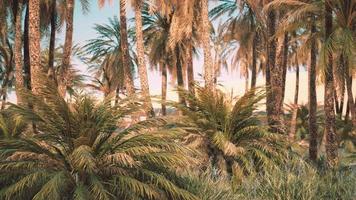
(344, 11)
(156, 36)
(52, 43)
(331, 140)
(82, 153)
(68, 43)
(18, 51)
(303, 17)
(158, 40)
(208, 62)
(249, 39)
(273, 75)
(125, 49)
(104, 56)
(232, 133)
(142, 70)
(34, 45)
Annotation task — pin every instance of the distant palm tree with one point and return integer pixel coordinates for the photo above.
(249, 39)
(68, 42)
(104, 56)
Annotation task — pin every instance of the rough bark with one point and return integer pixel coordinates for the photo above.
(26, 51)
(19, 84)
(312, 99)
(208, 62)
(34, 45)
(142, 70)
(331, 145)
(52, 42)
(164, 88)
(275, 68)
(129, 83)
(67, 51)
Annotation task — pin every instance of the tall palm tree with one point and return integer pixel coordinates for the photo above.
(52, 43)
(125, 49)
(312, 99)
(331, 140)
(67, 46)
(19, 84)
(158, 39)
(68, 42)
(273, 75)
(208, 62)
(303, 17)
(142, 70)
(156, 36)
(34, 45)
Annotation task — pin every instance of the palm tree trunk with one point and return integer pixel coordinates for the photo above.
(34, 45)
(129, 83)
(19, 84)
(26, 50)
(208, 62)
(52, 42)
(274, 73)
(190, 70)
(331, 140)
(351, 102)
(312, 101)
(293, 129)
(284, 65)
(180, 80)
(164, 88)
(142, 70)
(67, 52)
(254, 61)
(4, 87)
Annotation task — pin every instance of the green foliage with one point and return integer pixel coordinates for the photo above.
(232, 132)
(297, 180)
(77, 151)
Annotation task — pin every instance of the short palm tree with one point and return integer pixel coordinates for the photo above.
(233, 133)
(79, 152)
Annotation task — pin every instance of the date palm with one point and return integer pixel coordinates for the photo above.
(34, 45)
(232, 133)
(249, 39)
(142, 70)
(105, 56)
(305, 17)
(81, 153)
(68, 43)
(158, 38)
